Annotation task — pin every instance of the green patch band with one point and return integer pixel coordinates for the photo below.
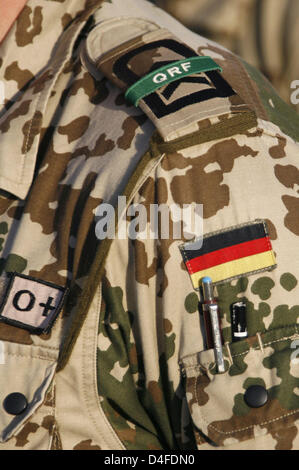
(167, 74)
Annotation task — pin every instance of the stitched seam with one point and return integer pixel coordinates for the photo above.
(198, 113)
(144, 178)
(258, 348)
(252, 426)
(13, 180)
(35, 346)
(33, 356)
(29, 134)
(220, 109)
(52, 440)
(207, 364)
(195, 393)
(137, 43)
(30, 126)
(46, 347)
(19, 182)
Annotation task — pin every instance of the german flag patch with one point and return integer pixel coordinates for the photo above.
(229, 254)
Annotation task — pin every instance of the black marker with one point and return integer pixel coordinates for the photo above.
(239, 323)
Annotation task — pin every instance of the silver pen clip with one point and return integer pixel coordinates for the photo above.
(213, 310)
(211, 306)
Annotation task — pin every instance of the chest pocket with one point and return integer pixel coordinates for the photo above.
(255, 396)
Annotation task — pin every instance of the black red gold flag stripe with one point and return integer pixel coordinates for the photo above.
(229, 254)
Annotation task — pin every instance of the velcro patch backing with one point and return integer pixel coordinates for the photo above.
(32, 304)
(229, 254)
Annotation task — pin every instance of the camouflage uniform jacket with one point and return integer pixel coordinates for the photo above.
(103, 339)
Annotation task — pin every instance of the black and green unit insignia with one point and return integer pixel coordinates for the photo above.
(168, 74)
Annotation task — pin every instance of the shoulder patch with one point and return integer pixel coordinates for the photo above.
(127, 50)
(32, 304)
(229, 254)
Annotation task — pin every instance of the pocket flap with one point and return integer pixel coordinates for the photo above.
(28, 371)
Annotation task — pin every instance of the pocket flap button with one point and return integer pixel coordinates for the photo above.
(256, 396)
(15, 403)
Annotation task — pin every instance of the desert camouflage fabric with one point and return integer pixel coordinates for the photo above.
(124, 365)
(263, 32)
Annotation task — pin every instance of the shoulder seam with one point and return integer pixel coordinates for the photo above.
(237, 124)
